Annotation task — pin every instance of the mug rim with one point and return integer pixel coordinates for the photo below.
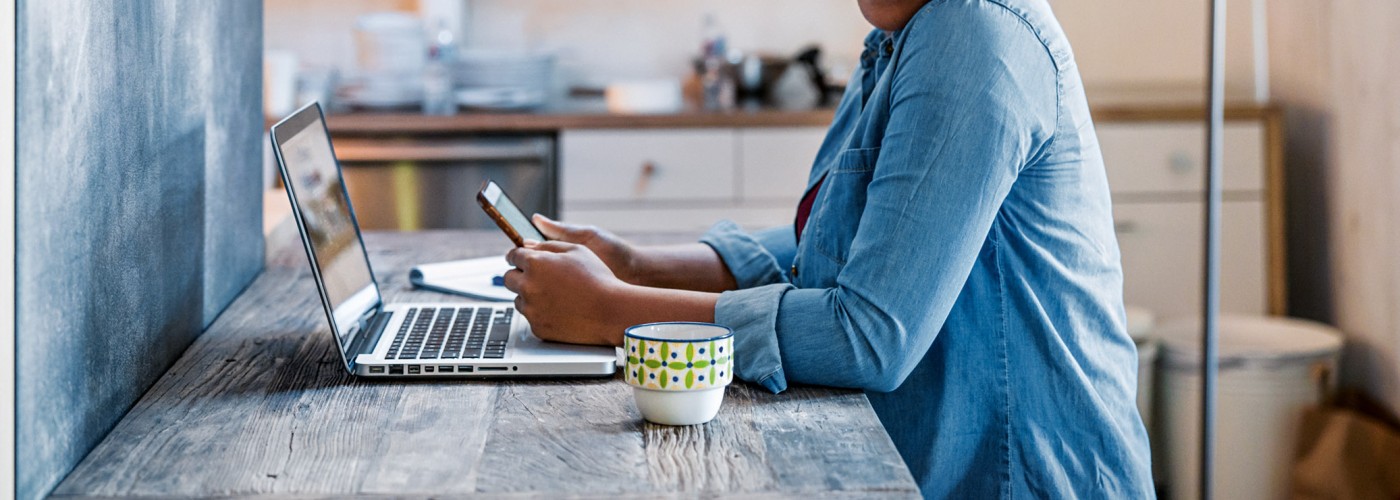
(728, 332)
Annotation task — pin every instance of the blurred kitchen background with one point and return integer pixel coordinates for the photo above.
(639, 115)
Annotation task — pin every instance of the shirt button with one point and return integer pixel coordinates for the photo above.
(889, 48)
(794, 270)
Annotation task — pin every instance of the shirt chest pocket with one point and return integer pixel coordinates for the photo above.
(841, 203)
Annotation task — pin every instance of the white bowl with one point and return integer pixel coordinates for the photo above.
(679, 407)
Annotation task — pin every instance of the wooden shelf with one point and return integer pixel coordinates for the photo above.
(408, 123)
(1142, 113)
(550, 121)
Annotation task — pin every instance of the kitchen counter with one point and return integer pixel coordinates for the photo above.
(259, 405)
(592, 114)
(572, 116)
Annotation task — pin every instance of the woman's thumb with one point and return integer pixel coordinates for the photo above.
(552, 229)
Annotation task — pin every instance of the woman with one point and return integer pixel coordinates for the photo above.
(954, 257)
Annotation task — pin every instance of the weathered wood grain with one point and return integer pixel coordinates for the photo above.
(260, 406)
(727, 455)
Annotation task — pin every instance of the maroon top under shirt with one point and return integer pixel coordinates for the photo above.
(804, 209)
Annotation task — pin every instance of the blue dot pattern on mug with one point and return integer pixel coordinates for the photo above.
(678, 365)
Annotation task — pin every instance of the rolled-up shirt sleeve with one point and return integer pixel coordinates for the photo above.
(757, 262)
(953, 146)
(751, 313)
(754, 259)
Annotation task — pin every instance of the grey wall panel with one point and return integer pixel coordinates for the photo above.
(234, 148)
(123, 135)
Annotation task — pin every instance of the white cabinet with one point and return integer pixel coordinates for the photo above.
(684, 179)
(664, 218)
(1168, 157)
(1162, 252)
(647, 165)
(1156, 175)
(774, 162)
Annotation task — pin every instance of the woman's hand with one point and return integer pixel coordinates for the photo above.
(621, 257)
(566, 292)
(693, 266)
(569, 295)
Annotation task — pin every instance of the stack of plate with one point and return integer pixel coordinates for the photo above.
(494, 79)
(391, 52)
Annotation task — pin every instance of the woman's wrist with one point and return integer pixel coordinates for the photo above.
(629, 304)
(640, 268)
(622, 302)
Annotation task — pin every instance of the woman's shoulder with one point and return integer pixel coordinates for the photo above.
(1020, 26)
(988, 56)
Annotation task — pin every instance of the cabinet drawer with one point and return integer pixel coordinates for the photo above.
(1169, 157)
(1162, 252)
(643, 165)
(774, 163)
(674, 219)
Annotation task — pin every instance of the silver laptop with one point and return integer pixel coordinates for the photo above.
(460, 339)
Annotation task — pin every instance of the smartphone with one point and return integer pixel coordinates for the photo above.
(498, 206)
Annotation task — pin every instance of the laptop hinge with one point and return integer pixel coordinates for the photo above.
(373, 323)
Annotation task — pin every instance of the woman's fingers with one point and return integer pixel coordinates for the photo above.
(510, 257)
(556, 230)
(551, 228)
(521, 257)
(555, 246)
(513, 279)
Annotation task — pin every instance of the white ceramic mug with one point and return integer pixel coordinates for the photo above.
(678, 370)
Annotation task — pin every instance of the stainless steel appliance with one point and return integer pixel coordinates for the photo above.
(411, 183)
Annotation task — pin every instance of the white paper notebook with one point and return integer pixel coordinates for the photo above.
(473, 278)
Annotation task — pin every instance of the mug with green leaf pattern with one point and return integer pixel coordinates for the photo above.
(679, 369)
(679, 356)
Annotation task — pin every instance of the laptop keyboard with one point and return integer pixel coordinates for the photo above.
(453, 333)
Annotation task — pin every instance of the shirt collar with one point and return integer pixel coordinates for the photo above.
(878, 44)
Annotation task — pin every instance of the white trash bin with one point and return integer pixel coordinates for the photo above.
(1270, 369)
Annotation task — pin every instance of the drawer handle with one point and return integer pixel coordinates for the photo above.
(1125, 226)
(644, 177)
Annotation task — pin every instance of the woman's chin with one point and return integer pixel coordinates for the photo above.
(889, 15)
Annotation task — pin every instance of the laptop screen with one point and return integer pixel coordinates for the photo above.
(328, 225)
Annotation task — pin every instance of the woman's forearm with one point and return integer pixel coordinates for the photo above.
(636, 305)
(693, 266)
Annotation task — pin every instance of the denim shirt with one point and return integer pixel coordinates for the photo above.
(959, 264)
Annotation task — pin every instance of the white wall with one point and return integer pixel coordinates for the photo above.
(597, 40)
(1147, 46)
(319, 30)
(7, 249)
(607, 39)
(1335, 68)
(1132, 46)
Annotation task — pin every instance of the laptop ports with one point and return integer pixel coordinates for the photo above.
(445, 369)
(376, 369)
(464, 369)
(414, 369)
(428, 369)
(396, 369)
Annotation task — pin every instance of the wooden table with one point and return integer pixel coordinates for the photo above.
(261, 405)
